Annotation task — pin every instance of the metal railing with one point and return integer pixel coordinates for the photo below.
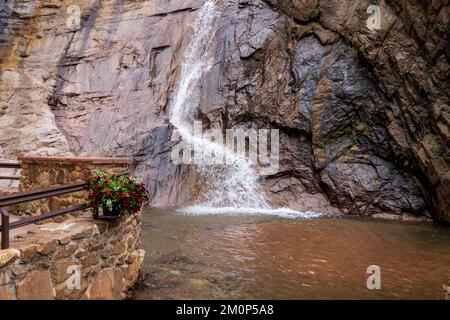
(23, 197)
(19, 198)
(10, 165)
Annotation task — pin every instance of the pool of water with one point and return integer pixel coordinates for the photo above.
(267, 257)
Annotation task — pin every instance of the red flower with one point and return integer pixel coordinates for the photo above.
(129, 195)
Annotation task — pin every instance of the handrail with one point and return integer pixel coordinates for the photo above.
(4, 228)
(27, 221)
(18, 198)
(23, 197)
(9, 178)
(10, 165)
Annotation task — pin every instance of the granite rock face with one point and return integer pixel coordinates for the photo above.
(363, 115)
(101, 89)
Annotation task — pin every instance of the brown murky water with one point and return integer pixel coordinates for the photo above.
(260, 257)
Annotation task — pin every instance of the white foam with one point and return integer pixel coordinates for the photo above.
(281, 212)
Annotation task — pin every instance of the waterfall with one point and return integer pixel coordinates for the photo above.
(236, 183)
(197, 61)
(231, 187)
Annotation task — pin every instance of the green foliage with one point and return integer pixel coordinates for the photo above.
(121, 195)
(321, 145)
(353, 51)
(435, 147)
(432, 142)
(348, 131)
(315, 12)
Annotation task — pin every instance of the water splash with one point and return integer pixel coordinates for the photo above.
(281, 212)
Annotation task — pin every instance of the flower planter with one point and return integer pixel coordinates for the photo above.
(113, 197)
(110, 214)
(103, 213)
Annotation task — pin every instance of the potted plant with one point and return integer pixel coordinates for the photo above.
(116, 196)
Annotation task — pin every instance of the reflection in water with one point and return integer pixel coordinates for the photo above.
(261, 257)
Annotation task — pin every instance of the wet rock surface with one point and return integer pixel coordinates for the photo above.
(363, 115)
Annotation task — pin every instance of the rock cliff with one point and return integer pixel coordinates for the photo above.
(363, 115)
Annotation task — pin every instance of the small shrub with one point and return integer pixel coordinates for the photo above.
(315, 12)
(321, 146)
(432, 143)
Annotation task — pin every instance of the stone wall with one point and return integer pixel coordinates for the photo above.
(44, 261)
(44, 172)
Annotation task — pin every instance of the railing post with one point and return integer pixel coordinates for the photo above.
(5, 228)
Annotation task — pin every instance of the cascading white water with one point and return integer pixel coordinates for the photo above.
(197, 61)
(234, 184)
(232, 187)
